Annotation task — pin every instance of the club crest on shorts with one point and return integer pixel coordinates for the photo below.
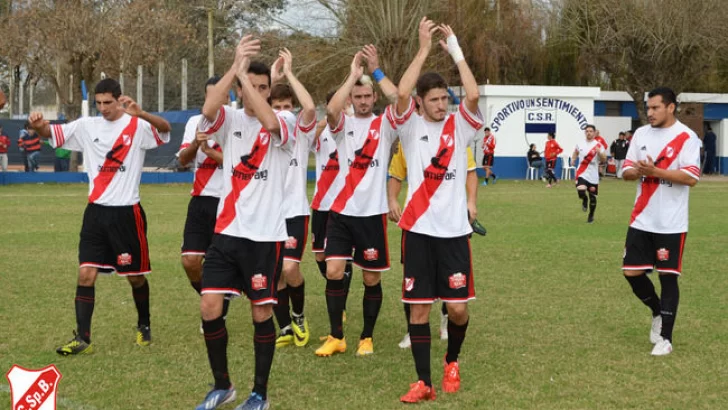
(371, 254)
(291, 242)
(258, 282)
(663, 254)
(457, 280)
(123, 259)
(409, 284)
(33, 389)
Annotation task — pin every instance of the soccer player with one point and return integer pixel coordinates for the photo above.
(294, 330)
(358, 215)
(206, 155)
(665, 157)
(114, 230)
(590, 153)
(488, 153)
(435, 240)
(246, 252)
(551, 153)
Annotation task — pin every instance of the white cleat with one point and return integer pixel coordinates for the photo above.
(662, 348)
(406, 343)
(443, 327)
(656, 329)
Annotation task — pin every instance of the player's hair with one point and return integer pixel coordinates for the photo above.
(26, 126)
(552, 135)
(668, 96)
(428, 81)
(591, 126)
(211, 81)
(486, 129)
(532, 146)
(364, 80)
(622, 133)
(282, 92)
(109, 85)
(329, 96)
(258, 68)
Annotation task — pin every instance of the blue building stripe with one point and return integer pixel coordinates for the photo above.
(540, 128)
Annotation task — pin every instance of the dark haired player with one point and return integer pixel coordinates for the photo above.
(551, 152)
(435, 240)
(590, 153)
(665, 157)
(114, 230)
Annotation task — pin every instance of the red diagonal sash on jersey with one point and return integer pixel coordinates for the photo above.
(584, 164)
(360, 166)
(328, 175)
(114, 159)
(434, 175)
(204, 172)
(649, 185)
(241, 176)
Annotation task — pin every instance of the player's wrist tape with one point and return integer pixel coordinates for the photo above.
(378, 75)
(454, 49)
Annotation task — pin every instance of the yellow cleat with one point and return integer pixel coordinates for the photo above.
(331, 346)
(300, 331)
(366, 347)
(143, 336)
(75, 346)
(284, 339)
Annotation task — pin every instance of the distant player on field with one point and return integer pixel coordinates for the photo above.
(247, 249)
(551, 153)
(435, 240)
(358, 215)
(114, 230)
(590, 153)
(488, 156)
(294, 330)
(665, 157)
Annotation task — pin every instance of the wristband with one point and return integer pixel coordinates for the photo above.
(454, 49)
(378, 75)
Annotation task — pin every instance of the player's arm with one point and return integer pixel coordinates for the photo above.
(338, 101)
(394, 187)
(133, 109)
(308, 108)
(389, 90)
(187, 154)
(647, 168)
(471, 190)
(472, 95)
(602, 155)
(39, 124)
(211, 152)
(253, 99)
(574, 156)
(409, 79)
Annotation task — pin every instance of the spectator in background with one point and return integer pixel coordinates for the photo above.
(709, 144)
(619, 152)
(31, 145)
(629, 136)
(21, 148)
(62, 160)
(534, 158)
(4, 145)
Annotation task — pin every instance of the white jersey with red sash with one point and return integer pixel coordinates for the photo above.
(113, 154)
(589, 160)
(436, 171)
(255, 163)
(328, 178)
(208, 173)
(363, 145)
(662, 206)
(296, 202)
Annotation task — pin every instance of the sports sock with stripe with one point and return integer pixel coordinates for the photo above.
(371, 305)
(335, 301)
(456, 337)
(85, 300)
(421, 342)
(216, 340)
(643, 288)
(669, 299)
(282, 309)
(141, 300)
(264, 343)
(297, 295)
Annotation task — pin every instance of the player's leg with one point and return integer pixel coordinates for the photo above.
(294, 278)
(491, 160)
(444, 320)
(282, 311)
(669, 250)
(319, 223)
(593, 193)
(406, 341)
(196, 237)
(220, 276)
(581, 191)
(638, 259)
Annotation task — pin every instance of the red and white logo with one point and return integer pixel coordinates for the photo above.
(123, 260)
(371, 254)
(264, 137)
(258, 282)
(33, 389)
(409, 284)
(291, 242)
(448, 139)
(670, 152)
(127, 139)
(375, 134)
(457, 281)
(663, 254)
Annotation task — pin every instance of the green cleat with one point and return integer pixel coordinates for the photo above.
(75, 346)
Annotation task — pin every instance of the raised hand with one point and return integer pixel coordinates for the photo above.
(35, 119)
(369, 52)
(446, 31)
(276, 71)
(426, 31)
(247, 47)
(130, 106)
(287, 57)
(356, 68)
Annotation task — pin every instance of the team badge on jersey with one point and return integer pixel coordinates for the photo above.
(124, 259)
(409, 284)
(258, 282)
(127, 139)
(371, 254)
(457, 281)
(33, 389)
(663, 254)
(291, 243)
(264, 138)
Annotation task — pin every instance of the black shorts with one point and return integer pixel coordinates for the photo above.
(488, 160)
(319, 220)
(436, 268)
(660, 251)
(551, 163)
(200, 225)
(366, 235)
(297, 228)
(593, 188)
(114, 238)
(238, 265)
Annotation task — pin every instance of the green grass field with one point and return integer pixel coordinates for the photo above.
(555, 325)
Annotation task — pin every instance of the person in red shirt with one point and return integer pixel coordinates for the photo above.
(4, 144)
(551, 153)
(488, 153)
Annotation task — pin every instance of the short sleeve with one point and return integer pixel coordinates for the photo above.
(407, 114)
(631, 157)
(468, 120)
(67, 135)
(150, 137)
(288, 123)
(471, 159)
(389, 126)
(338, 130)
(306, 133)
(398, 166)
(689, 158)
(190, 133)
(220, 124)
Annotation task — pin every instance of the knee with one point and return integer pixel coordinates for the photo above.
(371, 278)
(592, 190)
(211, 306)
(320, 257)
(261, 313)
(87, 276)
(335, 269)
(458, 313)
(136, 281)
(192, 263)
(419, 314)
